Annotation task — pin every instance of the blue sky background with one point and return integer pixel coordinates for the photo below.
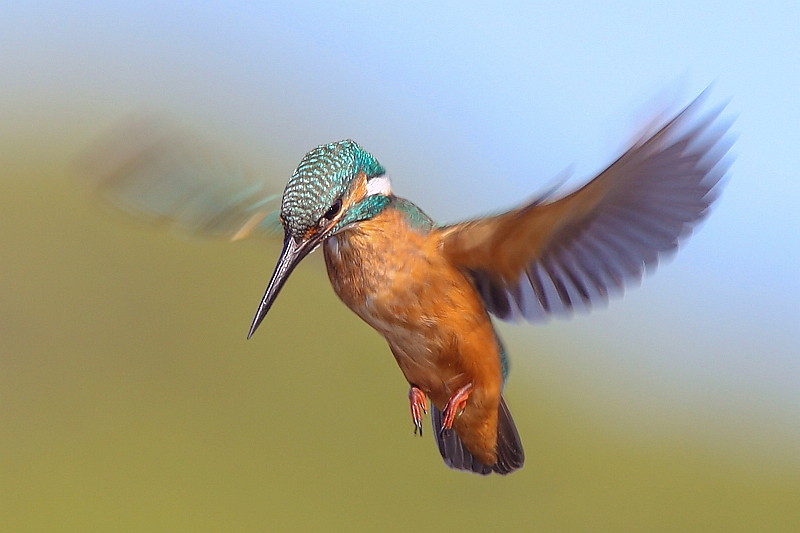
(473, 108)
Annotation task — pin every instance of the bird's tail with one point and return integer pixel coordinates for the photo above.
(510, 455)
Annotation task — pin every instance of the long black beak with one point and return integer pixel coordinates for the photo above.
(291, 255)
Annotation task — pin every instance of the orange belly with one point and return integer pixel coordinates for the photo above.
(393, 277)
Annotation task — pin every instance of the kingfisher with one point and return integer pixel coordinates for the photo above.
(432, 290)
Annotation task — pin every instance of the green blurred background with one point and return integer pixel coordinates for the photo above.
(130, 400)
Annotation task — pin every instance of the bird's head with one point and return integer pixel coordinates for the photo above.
(335, 186)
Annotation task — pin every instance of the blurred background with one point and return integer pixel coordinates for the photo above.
(130, 400)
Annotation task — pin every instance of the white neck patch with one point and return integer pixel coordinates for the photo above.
(379, 185)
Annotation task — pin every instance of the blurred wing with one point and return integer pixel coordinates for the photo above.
(550, 257)
(160, 174)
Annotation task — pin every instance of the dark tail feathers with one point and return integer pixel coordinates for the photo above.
(510, 455)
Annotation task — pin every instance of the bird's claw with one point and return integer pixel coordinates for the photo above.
(455, 405)
(419, 406)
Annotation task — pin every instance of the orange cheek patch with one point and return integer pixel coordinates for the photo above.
(358, 190)
(310, 233)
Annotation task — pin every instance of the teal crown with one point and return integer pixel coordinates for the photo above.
(323, 176)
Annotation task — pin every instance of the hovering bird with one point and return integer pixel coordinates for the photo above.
(431, 289)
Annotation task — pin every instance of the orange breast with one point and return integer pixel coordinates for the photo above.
(394, 277)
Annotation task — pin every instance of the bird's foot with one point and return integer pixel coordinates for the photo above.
(455, 405)
(419, 406)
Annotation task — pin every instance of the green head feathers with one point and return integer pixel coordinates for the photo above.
(323, 176)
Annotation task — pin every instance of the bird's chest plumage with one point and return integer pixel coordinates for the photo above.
(393, 277)
(381, 269)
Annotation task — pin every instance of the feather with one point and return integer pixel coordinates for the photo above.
(553, 256)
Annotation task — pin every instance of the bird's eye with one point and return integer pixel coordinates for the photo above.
(333, 211)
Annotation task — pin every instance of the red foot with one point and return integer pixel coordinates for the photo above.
(419, 405)
(455, 405)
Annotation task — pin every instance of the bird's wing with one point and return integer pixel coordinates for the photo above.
(161, 174)
(551, 257)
